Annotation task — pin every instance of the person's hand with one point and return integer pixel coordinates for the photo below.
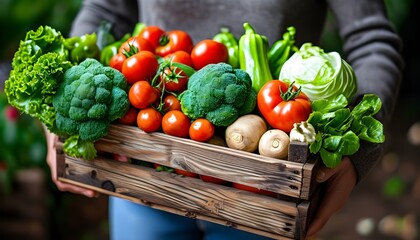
(52, 139)
(338, 184)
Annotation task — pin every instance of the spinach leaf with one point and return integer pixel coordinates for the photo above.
(340, 129)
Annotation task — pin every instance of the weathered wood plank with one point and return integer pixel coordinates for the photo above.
(284, 217)
(280, 176)
(188, 196)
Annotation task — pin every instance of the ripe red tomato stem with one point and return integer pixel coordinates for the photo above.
(291, 92)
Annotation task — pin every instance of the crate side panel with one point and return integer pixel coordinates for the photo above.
(187, 194)
(251, 169)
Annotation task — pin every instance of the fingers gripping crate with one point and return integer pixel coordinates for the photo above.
(283, 217)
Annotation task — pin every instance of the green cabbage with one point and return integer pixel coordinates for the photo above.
(321, 75)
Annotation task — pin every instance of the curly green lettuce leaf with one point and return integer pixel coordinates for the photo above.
(76, 147)
(37, 68)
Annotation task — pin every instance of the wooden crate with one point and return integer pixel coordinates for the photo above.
(283, 217)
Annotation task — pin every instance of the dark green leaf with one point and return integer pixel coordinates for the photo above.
(372, 131)
(330, 159)
(315, 146)
(332, 143)
(316, 119)
(185, 68)
(325, 105)
(368, 106)
(349, 144)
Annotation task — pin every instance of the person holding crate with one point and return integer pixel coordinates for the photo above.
(369, 42)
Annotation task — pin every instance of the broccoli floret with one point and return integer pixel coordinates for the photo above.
(88, 99)
(219, 93)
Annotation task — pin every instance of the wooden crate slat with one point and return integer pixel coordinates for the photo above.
(280, 176)
(284, 217)
(192, 197)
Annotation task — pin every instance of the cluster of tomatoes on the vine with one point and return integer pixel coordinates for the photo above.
(154, 64)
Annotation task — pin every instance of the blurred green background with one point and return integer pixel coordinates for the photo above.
(383, 207)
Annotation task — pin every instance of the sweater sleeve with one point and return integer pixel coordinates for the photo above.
(123, 14)
(372, 48)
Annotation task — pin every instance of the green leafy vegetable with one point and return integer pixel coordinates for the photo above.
(88, 99)
(37, 68)
(76, 147)
(340, 129)
(77, 102)
(219, 93)
(321, 75)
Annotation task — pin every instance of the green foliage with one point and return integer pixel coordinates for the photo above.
(328, 77)
(88, 99)
(37, 68)
(340, 129)
(219, 93)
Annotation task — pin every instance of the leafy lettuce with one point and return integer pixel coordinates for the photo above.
(340, 129)
(37, 68)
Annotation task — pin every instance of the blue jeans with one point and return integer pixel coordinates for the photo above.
(129, 220)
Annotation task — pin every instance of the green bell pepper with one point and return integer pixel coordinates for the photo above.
(231, 43)
(281, 50)
(253, 49)
(138, 28)
(112, 49)
(82, 47)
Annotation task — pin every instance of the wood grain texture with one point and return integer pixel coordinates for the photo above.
(190, 197)
(280, 176)
(284, 217)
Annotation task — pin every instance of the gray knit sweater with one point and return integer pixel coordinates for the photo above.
(370, 44)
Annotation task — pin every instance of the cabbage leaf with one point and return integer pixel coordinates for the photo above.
(321, 75)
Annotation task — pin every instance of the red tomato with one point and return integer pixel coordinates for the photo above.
(120, 158)
(175, 80)
(213, 180)
(201, 130)
(283, 105)
(139, 43)
(267, 193)
(117, 61)
(130, 117)
(208, 51)
(149, 120)
(141, 66)
(173, 41)
(141, 94)
(245, 187)
(171, 102)
(176, 123)
(180, 57)
(153, 34)
(186, 173)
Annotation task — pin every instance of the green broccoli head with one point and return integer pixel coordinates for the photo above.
(88, 99)
(219, 93)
